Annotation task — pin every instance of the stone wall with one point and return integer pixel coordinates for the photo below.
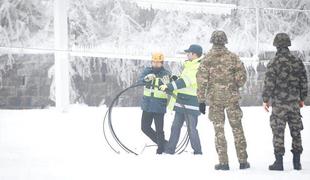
(25, 84)
(97, 80)
(101, 79)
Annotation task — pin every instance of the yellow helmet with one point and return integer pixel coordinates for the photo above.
(157, 57)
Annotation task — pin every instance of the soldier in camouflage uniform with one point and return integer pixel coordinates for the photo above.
(286, 85)
(219, 78)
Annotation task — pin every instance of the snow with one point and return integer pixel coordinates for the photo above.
(48, 144)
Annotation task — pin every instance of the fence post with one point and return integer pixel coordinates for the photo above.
(257, 32)
(61, 67)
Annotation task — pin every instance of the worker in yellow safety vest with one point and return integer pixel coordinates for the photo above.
(185, 104)
(154, 101)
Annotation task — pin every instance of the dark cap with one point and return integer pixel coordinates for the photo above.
(194, 48)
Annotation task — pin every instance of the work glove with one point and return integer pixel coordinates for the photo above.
(202, 108)
(174, 78)
(163, 87)
(165, 79)
(149, 77)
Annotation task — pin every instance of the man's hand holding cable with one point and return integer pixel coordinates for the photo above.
(149, 77)
(163, 87)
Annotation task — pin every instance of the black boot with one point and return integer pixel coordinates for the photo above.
(245, 165)
(159, 151)
(224, 167)
(296, 161)
(278, 164)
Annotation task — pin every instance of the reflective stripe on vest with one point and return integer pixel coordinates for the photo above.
(154, 91)
(187, 106)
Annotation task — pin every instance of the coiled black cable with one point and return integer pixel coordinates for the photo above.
(180, 147)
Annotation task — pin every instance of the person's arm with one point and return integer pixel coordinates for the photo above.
(177, 84)
(240, 73)
(182, 82)
(202, 77)
(303, 83)
(145, 72)
(269, 85)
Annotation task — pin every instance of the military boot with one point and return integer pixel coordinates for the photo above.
(245, 165)
(220, 166)
(278, 164)
(296, 161)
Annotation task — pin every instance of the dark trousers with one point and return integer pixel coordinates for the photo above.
(157, 136)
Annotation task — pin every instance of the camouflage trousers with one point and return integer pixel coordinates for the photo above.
(282, 114)
(234, 114)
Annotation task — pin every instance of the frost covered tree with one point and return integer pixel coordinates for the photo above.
(24, 23)
(124, 25)
(22, 20)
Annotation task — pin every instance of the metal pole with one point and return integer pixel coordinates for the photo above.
(61, 67)
(257, 32)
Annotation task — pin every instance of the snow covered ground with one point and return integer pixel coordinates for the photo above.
(47, 144)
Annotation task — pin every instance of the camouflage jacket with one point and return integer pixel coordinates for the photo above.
(220, 76)
(285, 79)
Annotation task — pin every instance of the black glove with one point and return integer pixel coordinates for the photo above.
(174, 78)
(202, 108)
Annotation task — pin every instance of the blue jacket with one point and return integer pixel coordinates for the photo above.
(151, 103)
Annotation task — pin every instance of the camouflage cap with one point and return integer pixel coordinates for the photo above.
(282, 40)
(218, 37)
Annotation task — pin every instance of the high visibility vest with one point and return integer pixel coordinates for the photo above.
(154, 91)
(188, 74)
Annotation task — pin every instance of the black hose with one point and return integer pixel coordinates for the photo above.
(105, 136)
(179, 149)
(110, 119)
(108, 113)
